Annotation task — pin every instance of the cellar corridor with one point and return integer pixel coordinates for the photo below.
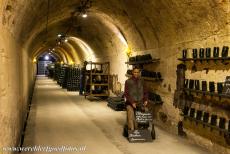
(54, 53)
(60, 118)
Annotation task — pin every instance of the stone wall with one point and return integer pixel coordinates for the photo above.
(160, 27)
(13, 92)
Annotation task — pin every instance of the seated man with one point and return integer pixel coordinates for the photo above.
(136, 96)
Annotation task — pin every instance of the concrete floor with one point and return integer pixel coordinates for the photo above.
(60, 118)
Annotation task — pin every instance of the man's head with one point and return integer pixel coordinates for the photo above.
(136, 72)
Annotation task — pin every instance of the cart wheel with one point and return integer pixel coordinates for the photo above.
(125, 131)
(153, 133)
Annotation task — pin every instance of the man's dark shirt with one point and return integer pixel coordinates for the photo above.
(129, 98)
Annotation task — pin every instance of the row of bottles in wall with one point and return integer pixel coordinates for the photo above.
(202, 53)
(187, 99)
(140, 61)
(207, 118)
(204, 85)
(146, 73)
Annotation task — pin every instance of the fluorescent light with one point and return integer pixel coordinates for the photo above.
(59, 35)
(66, 40)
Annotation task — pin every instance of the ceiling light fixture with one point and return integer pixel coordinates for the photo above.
(61, 39)
(84, 15)
(84, 7)
(82, 10)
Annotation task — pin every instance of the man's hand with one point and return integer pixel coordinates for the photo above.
(145, 103)
(134, 105)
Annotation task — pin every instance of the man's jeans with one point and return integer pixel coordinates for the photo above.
(131, 120)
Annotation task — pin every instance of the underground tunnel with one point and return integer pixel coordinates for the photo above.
(66, 67)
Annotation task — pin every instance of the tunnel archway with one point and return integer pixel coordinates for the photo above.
(95, 41)
(160, 28)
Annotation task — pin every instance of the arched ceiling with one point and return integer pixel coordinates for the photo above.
(144, 24)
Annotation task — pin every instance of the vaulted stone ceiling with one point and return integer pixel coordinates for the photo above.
(144, 24)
